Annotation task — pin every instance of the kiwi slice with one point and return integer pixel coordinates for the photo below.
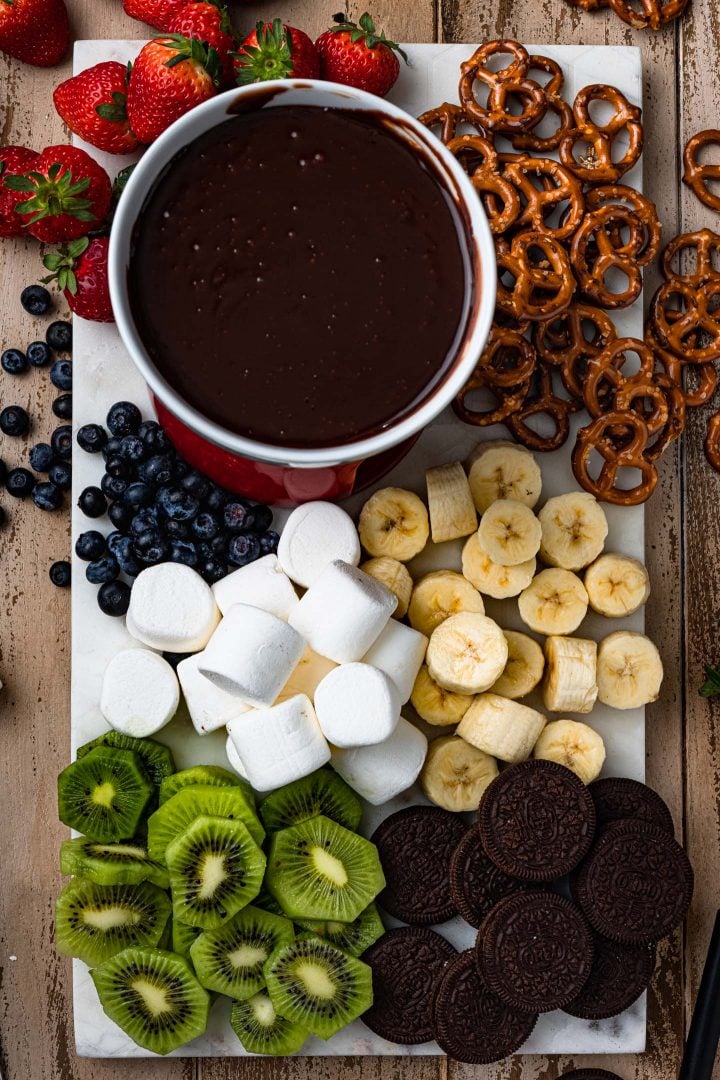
(183, 937)
(267, 902)
(230, 960)
(319, 870)
(262, 1031)
(156, 758)
(209, 776)
(323, 792)
(104, 795)
(154, 997)
(318, 986)
(174, 816)
(354, 937)
(216, 868)
(94, 922)
(165, 941)
(111, 864)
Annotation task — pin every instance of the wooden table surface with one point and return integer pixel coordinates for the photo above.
(682, 95)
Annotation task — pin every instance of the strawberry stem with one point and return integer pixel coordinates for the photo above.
(270, 59)
(364, 31)
(52, 195)
(61, 265)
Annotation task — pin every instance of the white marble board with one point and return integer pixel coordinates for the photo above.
(104, 373)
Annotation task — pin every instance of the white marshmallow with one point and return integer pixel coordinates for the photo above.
(172, 609)
(311, 670)
(140, 692)
(234, 759)
(210, 707)
(315, 535)
(357, 705)
(262, 584)
(399, 652)
(279, 744)
(343, 612)
(379, 773)
(251, 655)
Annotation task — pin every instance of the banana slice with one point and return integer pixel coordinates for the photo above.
(451, 506)
(434, 704)
(630, 671)
(503, 728)
(467, 653)
(395, 576)
(524, 668)
(489, 577)
(555, 602)
(510, 533)
(574, 529)
(571, 675)
(574, 745)
(394, 522)
(456, 774)
(439, 595)
(502, 470)
(617, 585)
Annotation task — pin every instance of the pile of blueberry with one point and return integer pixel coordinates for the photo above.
(162, 511)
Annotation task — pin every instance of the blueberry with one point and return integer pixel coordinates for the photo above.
(243, 550)
(35, 299)
(212, 570)
(123, 418)
(112, 448)
(176, 504)
(181, 551)
(61, 475)
(38, 354)
(196, 485)
(157, 470)
(219, 547)
(151, 547)
(61, 374)
(216, 500)
(59, 336)
(61, 441)
(132, 448)
(204, 550)
(177, 530)
(263, 518)
(92, 502)
(120, 515)
(206, 526)
(125, 555)
(138, 495)
(153, 437)
(114, 598)
(237, 517)
(13, 361)
(19, 483)
(14, 420)
(181, 469)
(91, 438)
(90, 545)
(117, 466)
(113, 541)
(47, 496)
(62, 407)
(269, 542)
(113, 486)
(143, 520)
(175, 658)
(60, 574)
(101, 570)
(41, 457)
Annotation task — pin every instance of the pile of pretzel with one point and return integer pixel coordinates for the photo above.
(572, 241)
(642, 14)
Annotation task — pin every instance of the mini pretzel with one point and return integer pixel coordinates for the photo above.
(675, 417)
(541, 401)
(601, 437)
(540, 290)
(654, 15)
(703, 243)
(504, 85)
(594, 255)
(558, 186)
(544, 144)
(506, 400)
(508, 359)
(605, 381)
(696, 175)
(480, 160)
(712, 442)
(642, 207)
(563, 343)
(692, 330)
(445, 120)
(705, 379)
(598, 166)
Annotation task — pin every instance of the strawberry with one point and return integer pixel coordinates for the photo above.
(157, 13)
(35, 31)
(14, 161)
(92, 104)
(276, 51)
(357, 55)
(81, 271)
(209, 23)
(66, 194)
(171, 75)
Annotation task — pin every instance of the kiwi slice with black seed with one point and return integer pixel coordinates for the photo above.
(111, 864)
(319, 870)
(354, 937)
(156, 758)
(154, 997)
(318, 986)
(174, 816)
(230, 959)
(94, 922)
(262, 1030)
(183, 936)
(208, 776)
(216, 868)
(104, 795)
(323, 792)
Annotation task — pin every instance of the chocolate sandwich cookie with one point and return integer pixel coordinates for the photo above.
(618, 977)
(636, 884)
(535, 951)
(590, 1074)
(415, 846)
(476, 883)
(537, 820)
(407, 965)
(619, 798)
(471, 1023)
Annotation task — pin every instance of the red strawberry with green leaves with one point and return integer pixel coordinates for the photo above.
(14, 161)
(67, 194)
(157, 13)
(93, 105)
(81, 271)
(35, 31)
(356, 54)
(276, 51)
(171, 75)
(210, 23)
